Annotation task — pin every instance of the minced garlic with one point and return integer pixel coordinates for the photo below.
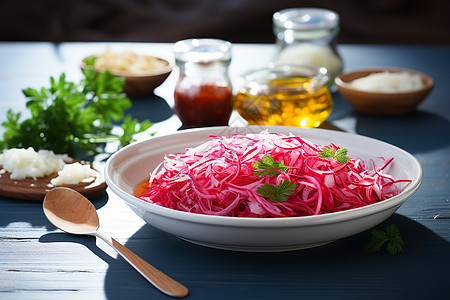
(24, 163)
(74, 174)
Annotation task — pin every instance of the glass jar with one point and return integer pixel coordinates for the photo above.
(307, 36)
(203, 93)
(285, 95)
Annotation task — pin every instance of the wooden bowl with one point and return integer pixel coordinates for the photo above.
(382, 103)
(142, 84)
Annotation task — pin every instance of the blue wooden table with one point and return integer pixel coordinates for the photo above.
(37, 261)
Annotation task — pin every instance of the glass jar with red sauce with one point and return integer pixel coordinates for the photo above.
(203, 94)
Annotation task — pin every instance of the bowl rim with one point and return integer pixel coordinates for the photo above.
(252, 222)
(163, 71)
(340, 83)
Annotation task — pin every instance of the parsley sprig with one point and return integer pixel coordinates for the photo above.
(267, 166)
(391, 237)
(73, 118)
(339, 155)
(277, 193)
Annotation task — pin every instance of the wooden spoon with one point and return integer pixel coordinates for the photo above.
(73, 213)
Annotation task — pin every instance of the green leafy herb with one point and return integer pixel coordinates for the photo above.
(277, 193)
(73, 118)
(339, 155)
(267, 166)
(391, 237)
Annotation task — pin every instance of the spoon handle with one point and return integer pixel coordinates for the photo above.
(160, 280)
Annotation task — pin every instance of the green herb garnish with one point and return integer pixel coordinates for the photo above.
(267, 166)
(339, 155)
(391, 237)
(277, 193)
(72, 118)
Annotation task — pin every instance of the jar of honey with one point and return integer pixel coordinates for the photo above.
(285, 95)
(308, 36)
(203, 93)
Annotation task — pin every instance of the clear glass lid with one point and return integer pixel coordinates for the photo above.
(202, 50)
(306, 19)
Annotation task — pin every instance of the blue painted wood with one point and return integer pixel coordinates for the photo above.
(37, 261)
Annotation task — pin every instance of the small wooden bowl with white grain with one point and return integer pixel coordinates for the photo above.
(142, 83)
(382, 103)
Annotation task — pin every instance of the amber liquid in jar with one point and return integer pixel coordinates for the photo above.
(287, 102)
(206, 104)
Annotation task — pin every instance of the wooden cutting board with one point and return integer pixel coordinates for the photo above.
(35, 190)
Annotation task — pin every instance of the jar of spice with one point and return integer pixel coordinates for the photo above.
(307, 36)
(203, 94)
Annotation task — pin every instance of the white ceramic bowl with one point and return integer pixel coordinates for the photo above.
(131, 165)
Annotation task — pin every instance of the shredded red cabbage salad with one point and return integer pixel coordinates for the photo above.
(218, 178)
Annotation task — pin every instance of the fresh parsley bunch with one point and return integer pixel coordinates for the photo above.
(76, 119)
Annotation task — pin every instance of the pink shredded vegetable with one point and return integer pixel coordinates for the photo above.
(217, 178)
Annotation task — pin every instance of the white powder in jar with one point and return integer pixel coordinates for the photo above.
(386, 82)
(312, 55)
(22, 163)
